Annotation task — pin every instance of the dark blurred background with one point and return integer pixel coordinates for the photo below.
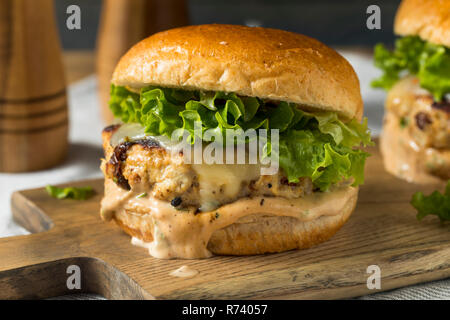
(335, 22)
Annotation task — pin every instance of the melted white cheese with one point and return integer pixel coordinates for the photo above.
(135, 131)
(222, 180)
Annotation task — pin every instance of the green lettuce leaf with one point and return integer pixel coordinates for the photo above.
(310, 153)
(435, 204)
(429, 62)
(316, 145)
(82, 193)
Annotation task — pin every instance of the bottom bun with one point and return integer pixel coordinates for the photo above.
(256, 233)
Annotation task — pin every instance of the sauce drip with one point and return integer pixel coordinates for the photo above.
(185, 234)
(184, 272)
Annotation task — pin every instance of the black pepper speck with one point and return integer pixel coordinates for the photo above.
(176, 201)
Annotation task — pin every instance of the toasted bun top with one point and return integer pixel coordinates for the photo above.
(259, 62)
(428, 19)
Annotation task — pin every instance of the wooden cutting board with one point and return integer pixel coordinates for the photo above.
(382, 231)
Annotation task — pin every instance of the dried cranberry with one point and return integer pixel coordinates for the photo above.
(422, 120)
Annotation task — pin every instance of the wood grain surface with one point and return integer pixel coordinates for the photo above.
(33, 103)
(382, 231)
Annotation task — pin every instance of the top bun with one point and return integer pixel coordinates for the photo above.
(428, 19)
(258, 62)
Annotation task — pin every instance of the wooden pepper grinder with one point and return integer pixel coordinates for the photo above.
(33, 103)
(123, 23)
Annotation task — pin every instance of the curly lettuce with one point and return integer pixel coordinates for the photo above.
(435, 204)
(429, 62)
(317, 145)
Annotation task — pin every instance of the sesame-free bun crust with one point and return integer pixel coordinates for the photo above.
(428, 19)
(259, 62)
(254, 234)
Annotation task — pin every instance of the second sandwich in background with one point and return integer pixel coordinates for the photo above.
(415, 142)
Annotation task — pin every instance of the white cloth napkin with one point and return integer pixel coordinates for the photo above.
(85, 153)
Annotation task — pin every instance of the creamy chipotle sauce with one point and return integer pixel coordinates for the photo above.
(185, 234)
(184, 272)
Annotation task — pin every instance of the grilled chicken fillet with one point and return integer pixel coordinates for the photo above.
(147, 166)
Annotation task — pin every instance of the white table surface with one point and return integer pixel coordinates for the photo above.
(85, 151)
